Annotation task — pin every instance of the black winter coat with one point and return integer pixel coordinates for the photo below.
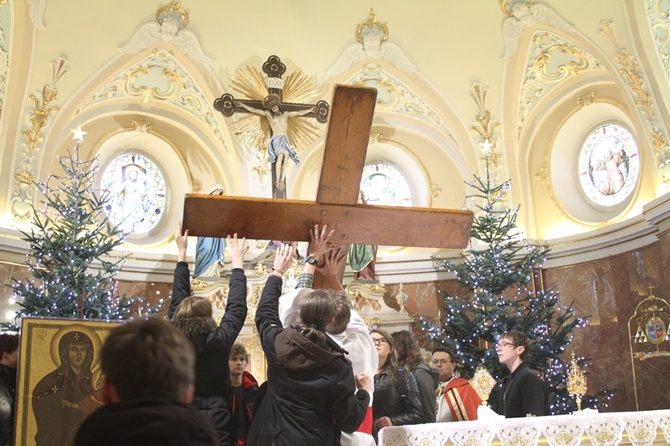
(212, 344)
(311, 393)
(146, 422)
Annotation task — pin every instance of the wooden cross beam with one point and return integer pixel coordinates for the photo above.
(336, 202)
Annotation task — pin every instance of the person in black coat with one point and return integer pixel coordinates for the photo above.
(148, 374)
(396, 399)
(193, 317)
(311, 392)
(408, 356)
(523, 391)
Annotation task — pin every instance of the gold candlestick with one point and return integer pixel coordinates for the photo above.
(576, 381)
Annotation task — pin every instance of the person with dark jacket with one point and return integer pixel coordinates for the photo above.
(523, 392)
(243, 393)
(408, 356)
(396, 398)
(311, 392)
(212, 342)
(148, 376)
(9, 349)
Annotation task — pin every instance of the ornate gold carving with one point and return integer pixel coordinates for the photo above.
(43, 108)
(485, 126)
(372, 24)
(483, 383)
(173, 9)
(146, 82)
(587, 99)
(507, 5)
(559, 62)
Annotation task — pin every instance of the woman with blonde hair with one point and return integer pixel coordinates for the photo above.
(193, 316)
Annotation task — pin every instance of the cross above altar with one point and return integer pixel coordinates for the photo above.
(336, 202)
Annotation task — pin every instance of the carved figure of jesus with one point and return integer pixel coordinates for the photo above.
(279, 146)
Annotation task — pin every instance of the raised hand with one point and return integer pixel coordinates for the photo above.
(318, 244)
(283, 258)
(237, 250)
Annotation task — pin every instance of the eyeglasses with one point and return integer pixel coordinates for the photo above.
(504, 344)
(379, 341)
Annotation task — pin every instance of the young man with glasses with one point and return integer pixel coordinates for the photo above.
(523, 391)
(456, 399)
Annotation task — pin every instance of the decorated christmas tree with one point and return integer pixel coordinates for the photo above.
(71, 243)
(499, 294)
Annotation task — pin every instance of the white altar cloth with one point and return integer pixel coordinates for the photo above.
(586, 427)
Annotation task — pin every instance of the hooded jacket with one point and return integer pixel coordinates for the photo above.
(311, 393)
(212, 345)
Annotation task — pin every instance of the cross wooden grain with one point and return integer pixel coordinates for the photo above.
(337, 196)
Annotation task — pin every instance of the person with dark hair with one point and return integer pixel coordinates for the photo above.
(148, 377)
(9, 348)
(408, 356)
(523, 391)
(396, 399)
(348, 328)
(456, 399)
(58, 391)
(311, 390)
(243, 393)
(193, 316)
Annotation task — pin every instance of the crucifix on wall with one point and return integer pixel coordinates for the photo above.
(337, 196)
(278, 126)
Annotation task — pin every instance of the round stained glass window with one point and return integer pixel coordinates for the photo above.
(136, 189)
(384, 185)
(609, 165)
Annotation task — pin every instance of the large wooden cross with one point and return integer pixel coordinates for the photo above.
(337, 196)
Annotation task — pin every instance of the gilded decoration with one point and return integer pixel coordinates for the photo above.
(44, 106)
(658, 12)
(632, 74)
(394, 96)
(483, 383)
(576, 382)
(485, 127)
(153, 82)
(372, 25)
(174, 9)
(551, 59)
(648, 334)
(159, 77)
(253, 130)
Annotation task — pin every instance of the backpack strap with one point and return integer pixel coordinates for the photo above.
(401, 378)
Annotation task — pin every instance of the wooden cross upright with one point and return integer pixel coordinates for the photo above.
(337, 197)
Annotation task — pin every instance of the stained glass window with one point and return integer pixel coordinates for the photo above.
(384, 185)
(137, 193)
(609, 165)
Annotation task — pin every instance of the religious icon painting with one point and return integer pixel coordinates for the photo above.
(59, 378)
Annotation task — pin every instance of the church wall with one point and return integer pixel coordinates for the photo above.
(605, 290)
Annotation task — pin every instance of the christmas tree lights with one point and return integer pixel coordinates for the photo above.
(71, 243)
(496, 270)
